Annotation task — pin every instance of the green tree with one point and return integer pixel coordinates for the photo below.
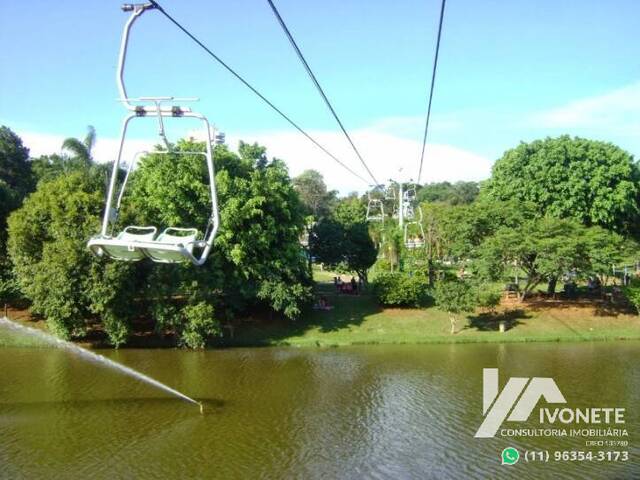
(604, 250)
(15, 170)
(48, 167)
(463, 228)
(455, 297)
(434, 236)
(65, 283)
(16, 181)
(81, 150)
(544, 248)
(317, 200)
(257, 257)
(343, 241)
(595, 183)
(458, 193)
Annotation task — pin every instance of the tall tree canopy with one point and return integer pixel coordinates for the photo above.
(458, 193)
(81, 150)
(16, 181)
(47, 244)
(595, 183)
(548, 248)
(318, 201)
(15, 170)
(256, 261)
(343, 241)
(257, 254)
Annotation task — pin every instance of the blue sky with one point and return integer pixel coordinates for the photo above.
(509, 71)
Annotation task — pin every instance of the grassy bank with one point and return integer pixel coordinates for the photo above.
(360, 320)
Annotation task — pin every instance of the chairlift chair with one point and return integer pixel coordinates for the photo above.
(409, 211)
(375, 205)
(134, 243)
(409, 195)
(414, 231)
(390, 192)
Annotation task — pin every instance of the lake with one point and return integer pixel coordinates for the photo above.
(359, 412)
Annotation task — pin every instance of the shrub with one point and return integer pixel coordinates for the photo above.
(632, 293)
(488, 295)
(52, 266)
(199, 325)
(402, 289)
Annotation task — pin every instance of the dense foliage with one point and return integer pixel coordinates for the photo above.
(16, 181)
(317, 200)
(458, 193)
(257, 260)
(547, 249)
(342, 241)
(47, 244)
(556, 210)
(455, 297)
(257, 257)
(400, 289)
(595, 183)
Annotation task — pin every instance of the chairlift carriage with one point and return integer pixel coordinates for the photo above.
(413, 231)
(409, 195)
(375, 205)
(134, 243)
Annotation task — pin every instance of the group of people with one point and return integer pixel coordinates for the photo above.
(351, 287)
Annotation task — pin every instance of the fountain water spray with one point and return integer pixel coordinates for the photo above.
(93, 357)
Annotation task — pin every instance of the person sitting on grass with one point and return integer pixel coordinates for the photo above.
(323, 304)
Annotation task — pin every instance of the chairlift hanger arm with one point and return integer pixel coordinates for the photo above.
(157, 103)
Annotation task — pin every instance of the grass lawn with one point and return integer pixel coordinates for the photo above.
(360, 320)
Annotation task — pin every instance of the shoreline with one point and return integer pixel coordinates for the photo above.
(434, 341)
(359, 320)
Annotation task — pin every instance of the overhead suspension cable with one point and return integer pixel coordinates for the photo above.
(318, 87)
(433, 81)
(253, 89)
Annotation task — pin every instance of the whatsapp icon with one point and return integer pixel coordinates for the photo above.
(510, 456)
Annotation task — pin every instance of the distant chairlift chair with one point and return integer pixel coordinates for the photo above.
(134, 243)
(413, 231)
(375, 205)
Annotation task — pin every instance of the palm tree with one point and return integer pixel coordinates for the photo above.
(81, 150)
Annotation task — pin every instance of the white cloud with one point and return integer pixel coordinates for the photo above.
(616, 112)
(105, 149)
(388, 155)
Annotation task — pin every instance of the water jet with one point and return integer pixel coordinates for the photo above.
(93, 357)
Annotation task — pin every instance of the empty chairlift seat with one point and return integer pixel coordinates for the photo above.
(125, 245)
(173, 245)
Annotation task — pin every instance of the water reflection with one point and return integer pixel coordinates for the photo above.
(366, 412)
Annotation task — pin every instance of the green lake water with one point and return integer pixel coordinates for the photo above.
(359, 412)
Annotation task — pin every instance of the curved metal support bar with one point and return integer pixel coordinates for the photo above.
(126, 177)
(114, 175)
(215, 214)
(136, 11)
